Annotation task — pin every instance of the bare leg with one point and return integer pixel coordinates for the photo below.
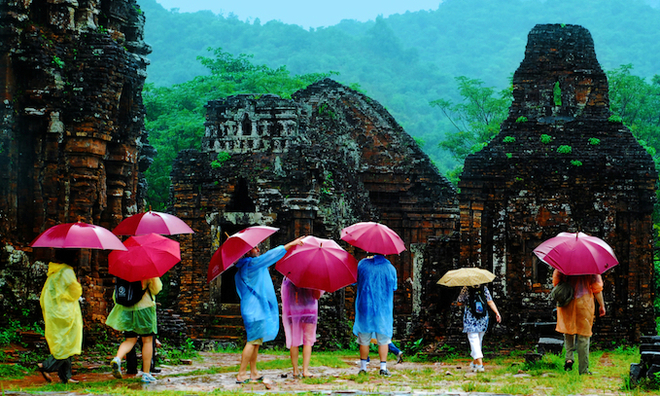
(382, 352)
(254, 374)
(364, 352)
(246, 358)
(307, 356)
(126, 347)
(294, 359)
(147, 353)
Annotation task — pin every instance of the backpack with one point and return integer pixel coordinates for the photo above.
(128, 293)
(477, 303)
(562, 294)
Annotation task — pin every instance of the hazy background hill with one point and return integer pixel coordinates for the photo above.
(406, 60)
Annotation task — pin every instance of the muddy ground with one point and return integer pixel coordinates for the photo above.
(437, 378)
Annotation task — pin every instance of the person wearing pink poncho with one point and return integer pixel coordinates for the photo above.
(300, 311)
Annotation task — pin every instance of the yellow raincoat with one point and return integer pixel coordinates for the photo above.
(61, 310)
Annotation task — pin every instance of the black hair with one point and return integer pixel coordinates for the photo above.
(66, 256)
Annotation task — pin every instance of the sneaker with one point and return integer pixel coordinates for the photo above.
(148, 378)
(385, 373)
(116, 367)
(478, 368)
(568, 366)
(362, 372)
(399, 358)
(472, 366)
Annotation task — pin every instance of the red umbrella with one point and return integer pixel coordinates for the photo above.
(577, 254)
(78, 235)
(374, 238)
(318, 264)
(152, 222)
(148, 256)
(235, 247)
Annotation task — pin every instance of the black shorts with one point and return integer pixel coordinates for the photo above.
(132, 334)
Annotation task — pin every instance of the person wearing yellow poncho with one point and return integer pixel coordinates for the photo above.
(63, 318)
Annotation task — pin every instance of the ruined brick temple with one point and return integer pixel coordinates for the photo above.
(558, 164)
(71, 135)
(72, 147)
(310, 165)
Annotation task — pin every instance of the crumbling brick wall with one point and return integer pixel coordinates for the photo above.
(311, 165)
(560, 164)
(71, 129)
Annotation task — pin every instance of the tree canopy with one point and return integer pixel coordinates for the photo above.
(175, 115)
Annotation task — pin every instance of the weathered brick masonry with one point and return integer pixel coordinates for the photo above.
(71, 134)
(560, 164)
(311, 165)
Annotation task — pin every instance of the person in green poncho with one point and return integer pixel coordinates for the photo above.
(137, 320)
(61, 309)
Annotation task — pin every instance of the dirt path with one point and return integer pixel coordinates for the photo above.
(410, 378)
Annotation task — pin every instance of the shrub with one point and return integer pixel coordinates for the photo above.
(564, 149)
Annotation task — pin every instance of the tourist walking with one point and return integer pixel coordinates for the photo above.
(576, 319)
(475, 320)
(259, 307)
(300, 311)
(62, 316)
(374, 308)
(136, 320)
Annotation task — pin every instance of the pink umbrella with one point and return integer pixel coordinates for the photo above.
(577, 254)
(78, 235)
(152, 222)
(318, 264)
(235, 247)
(148, 256)
(373, 237)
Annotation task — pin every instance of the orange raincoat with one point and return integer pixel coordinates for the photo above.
(577, 317)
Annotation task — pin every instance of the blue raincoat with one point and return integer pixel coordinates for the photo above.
(374, 304)
(254, 285)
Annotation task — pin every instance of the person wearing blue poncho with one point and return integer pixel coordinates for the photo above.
(259, 307)
(374, 308)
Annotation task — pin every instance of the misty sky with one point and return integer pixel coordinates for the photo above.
(305, 13)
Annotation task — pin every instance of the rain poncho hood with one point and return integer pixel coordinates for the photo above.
(258, 300)
(141, 317)
(300, 311)
(61, 310)
(374, 304)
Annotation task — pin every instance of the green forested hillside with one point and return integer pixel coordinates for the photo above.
(405, 61)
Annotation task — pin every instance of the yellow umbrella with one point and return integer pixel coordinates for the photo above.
(466, 277)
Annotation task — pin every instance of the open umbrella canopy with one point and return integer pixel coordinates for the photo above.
(152, 222)
(466, 277)
(373, 237)
(319, 264)
(78, 235)
(576, 253)
(147, 256)
(235, 247)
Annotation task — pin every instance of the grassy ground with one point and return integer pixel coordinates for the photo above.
(214, 372)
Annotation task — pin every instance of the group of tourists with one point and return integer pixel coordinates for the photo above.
(374, 308)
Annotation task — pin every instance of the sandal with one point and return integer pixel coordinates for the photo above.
(568, 366)
(44, 374)
(245, 381)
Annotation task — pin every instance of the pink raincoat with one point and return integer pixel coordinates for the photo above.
(300, 311)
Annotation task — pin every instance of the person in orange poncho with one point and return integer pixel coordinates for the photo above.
(576, 319)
